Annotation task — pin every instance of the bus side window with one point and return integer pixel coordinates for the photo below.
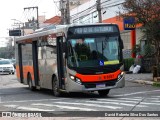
(51, 52)
(43, 52)
(39, 53)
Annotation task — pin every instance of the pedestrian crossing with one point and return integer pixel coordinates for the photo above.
(99, 104)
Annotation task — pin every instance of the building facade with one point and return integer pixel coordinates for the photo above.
(87, 13)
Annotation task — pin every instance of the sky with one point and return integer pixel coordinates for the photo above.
(14, 9)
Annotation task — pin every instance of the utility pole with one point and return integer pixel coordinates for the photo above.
(99, 10)
(37, 21)
(65, 11)
(62, 9)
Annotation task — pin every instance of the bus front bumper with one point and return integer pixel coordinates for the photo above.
(72, 86)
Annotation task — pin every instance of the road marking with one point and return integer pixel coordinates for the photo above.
(152, 98)
(33, 100)
(131, 99)
(137, 97)
(90, 105)
(156, 101)
(117, 103)
(137, 93)
(11, 106)
(33, 109)
(112, 100)
(149, 103)
(27, 108)
(157, 96)
(65, 107)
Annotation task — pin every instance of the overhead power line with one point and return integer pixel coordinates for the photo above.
(96, 10)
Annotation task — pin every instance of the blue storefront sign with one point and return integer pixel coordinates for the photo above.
(129, 23)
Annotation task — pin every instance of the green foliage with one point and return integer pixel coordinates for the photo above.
(127, 63)
(146, 13)
(7, 52)
(136, 49)
(156, 84)
(148, 50)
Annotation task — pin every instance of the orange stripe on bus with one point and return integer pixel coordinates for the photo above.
(26, 69)
(97, 78)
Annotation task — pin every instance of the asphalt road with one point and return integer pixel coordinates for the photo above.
(133, 97)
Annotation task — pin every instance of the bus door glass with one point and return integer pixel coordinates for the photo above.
(35, 62)
(60, 61)
(20, 62)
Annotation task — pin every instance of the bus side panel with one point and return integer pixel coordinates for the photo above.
(18, 72)
(28, 69)
(51, 68)
(47, 63)
(27, 63)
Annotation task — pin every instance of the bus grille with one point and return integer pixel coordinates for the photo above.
(93, 85)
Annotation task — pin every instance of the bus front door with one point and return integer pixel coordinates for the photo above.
(60, 62)
(20, 62)
(35, 62)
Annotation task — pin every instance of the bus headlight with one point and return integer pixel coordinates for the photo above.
(120, 75)
(77, 80)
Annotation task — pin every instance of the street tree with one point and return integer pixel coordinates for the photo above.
(146, 14)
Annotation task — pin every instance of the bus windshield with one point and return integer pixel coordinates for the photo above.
(93, 52)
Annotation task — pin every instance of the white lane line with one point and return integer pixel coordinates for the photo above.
(130, 99)
(137, 93)
(138, 97)
(32, 100)
(152, 98)
(33, 109)
(90, 105)
(65, 107)
(156, 96)
(27, 108)
(146, 103)
(11, 106)
(110, 100)
(155, 101)
(116, 103)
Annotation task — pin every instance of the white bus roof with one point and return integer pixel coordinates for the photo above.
(58, 28)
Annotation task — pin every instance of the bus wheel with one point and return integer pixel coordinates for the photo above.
(55, 90)
(103, 93)
(31, 87)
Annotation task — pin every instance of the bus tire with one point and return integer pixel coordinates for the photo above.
(29, 78)
(55, 89)
(103, 93)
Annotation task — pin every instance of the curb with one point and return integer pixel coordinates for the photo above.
(143, 82)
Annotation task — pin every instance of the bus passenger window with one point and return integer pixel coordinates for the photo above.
(51, 52)
(43, 52)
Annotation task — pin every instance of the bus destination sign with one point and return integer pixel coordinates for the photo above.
(92, 29)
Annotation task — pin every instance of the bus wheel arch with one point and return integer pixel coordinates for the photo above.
(55, 89)
(29, 80)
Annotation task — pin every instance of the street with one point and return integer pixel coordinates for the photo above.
(133, 97)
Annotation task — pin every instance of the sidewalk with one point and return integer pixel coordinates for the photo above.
(142, 78)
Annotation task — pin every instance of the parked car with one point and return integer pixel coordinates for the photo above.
(6, 66)
(13, 61)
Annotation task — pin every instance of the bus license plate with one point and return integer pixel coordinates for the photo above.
(100, 85)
